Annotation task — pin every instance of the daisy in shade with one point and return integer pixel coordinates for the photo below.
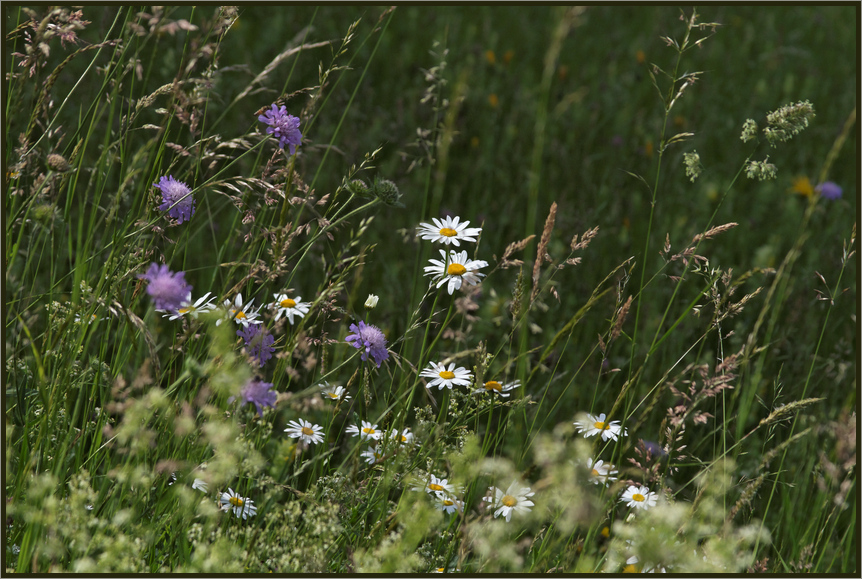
(449, 504)
(601, 472)
(596, 425)
(403, 437)
(448, 231)
(239, 312)
(305, 431)
(289, 307)
(373, 455)
(516, 498)
(241, 506)
(202, 305)
(443, 378)
(439, 487)
(367, 432)
(334, 393)
(498, 388)
(639, 497)
(455, 268)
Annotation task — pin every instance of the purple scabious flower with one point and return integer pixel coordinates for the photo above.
(371, 339)
(829, 190)
(258, 342)
(168, 289)
(283, 126)
(176, 198)
(259, 393)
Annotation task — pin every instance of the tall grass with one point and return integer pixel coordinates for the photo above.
(664, 281)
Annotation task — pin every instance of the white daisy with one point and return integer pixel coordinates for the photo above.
(241, 314)
(639, 497)
(289, 307)
(498, 388)
(439, 487)
(446, 378)
(89, 319)
(371, 302)
(516, 498)
(373, 455)
(449, 504)
(192, 309)
(242, 507)
(448, 231)
(404, 437)
(305, 431)
(601, 472)
(592, 425)
(200, 485)
(333, 392)
(455, 268)
(367, 432)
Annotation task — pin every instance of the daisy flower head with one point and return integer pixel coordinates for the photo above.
(305, 431)
(283, 126)
(241, 506)
(177, 198)
(371, 302)
(188, 308)
(335, 393)
(639, 497)
(497, 388)
(439, 487)
(403, 437)
(596, 425)
(448, 504)
(455, 268)
(88, 319)
(258, 342)
(367, 432)
(600, 472)
(515, 498)
(373, 455)
(448, 231)
(289, 307)
(168, 289)
(239, 312)
(260, 394)
(447, 378)
(370, 339)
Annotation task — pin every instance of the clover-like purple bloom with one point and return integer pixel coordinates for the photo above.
(371, 339)
(176, 198)
(283, 126)
(258, 342)
(830, 190)
(259, 393)
(168, 289)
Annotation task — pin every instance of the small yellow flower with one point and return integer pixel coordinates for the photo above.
(490, 57)
(640, 56)
(802, 185)
(493, 100)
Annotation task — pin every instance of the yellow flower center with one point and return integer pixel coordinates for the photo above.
(307, 431)
(595, 472)
(447, 375)
(606, 532)
(456, 269)
(185, 310)
(240, 315)
(630, 569)
(434, 487)
(494, 385)
(509, 501)
(368, 430)
(403, 438)
(602, 425)
(236, 501)
(638, 497)
(448, 232)
(288, 303)
(333, 395)
(448, 503)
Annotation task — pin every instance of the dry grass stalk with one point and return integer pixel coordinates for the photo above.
(541, 253)
(714, 231)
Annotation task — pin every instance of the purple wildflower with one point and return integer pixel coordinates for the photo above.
(176, 198)
(829, 190)
(283, 126)
(258, 342)
(259, 393)
(370, 338)
(168, 289)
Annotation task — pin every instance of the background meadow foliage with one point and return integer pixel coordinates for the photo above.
(638, 266)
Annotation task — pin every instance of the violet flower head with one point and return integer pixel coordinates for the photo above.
(369, 338)
(168, 289)
(176, 198)
(283, 126)
(829, 190)
(258, 342)
(259, 393)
